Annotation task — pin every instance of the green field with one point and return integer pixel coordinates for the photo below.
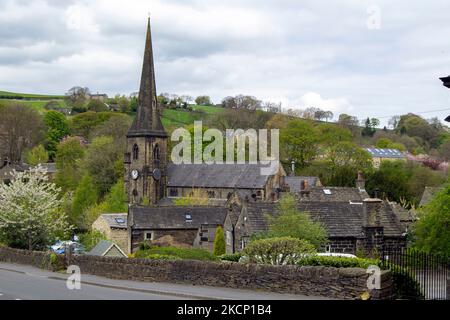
(28, 96)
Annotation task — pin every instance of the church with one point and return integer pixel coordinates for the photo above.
(152, 182)
(238, 197)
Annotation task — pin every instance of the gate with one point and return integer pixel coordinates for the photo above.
(417, 275)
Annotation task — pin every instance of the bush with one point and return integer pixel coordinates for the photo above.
(337, 262)
(235, 257)
(188, 254)
(277, 251)
(405, 283)
(90, 239)
(161, 257)
(219, 242)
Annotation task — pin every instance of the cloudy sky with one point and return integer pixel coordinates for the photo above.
(371, 58)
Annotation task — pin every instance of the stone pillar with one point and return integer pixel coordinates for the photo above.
(372, 228)
(361, 182)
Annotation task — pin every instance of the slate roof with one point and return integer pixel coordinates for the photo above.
(428, 194)
(6, 171)
(335, 194)
(102, 248)
(113, 220)
(241, 176)
(339, 218)
(168, 201)
(385, 153)
(294, 182)
(176, 217)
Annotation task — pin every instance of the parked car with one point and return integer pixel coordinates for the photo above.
(60, 247)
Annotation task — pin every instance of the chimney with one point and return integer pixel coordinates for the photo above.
(372, 212)
(360, 181)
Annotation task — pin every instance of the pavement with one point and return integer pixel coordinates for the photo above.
(23, 282)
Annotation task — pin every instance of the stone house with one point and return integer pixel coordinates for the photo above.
(379, 155)
(175, 226)
(353, 220)
(114, 226)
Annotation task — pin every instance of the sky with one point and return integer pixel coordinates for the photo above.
(372, 58)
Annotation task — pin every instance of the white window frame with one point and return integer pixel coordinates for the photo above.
(146, 238)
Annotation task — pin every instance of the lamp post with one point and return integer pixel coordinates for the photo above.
(446, 82)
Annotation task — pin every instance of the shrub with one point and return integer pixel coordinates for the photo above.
(235, 257)
(337, 262)
(161, 257)
(277, 251)
(219, 242)
(90, 239)
(182, 253)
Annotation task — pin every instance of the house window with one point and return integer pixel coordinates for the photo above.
(120, 220)
(211, 194)
(148, 235)
(229, 238)
(188, 217)
(328, 248)
(135, 152)
(204, 239)
(173, 192)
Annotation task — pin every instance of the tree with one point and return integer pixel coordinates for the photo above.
(349, 122)
(242, 102)
(296, 224)
(203, 100)
(219, 242)
(96, 106)
(77, 96)
(85, 197)
(116, 200)
(30, 215)
(68, 162)
(83, 124)
(57, 128)
(444, 150)
(37, 155)
(116, 127)
(431, 233)
(298, 142)
(278, 251)
(104, 163)
(20, 128)
(344, 159)
(370, 127)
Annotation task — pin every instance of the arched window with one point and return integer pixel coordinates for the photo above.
(135, 152)
(156, 152)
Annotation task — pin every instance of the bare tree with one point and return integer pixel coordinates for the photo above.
(77, 95)
(20, 128)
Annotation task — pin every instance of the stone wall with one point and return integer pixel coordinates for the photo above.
(35, 258)
(340, 283)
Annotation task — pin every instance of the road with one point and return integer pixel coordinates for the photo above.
(20, 282)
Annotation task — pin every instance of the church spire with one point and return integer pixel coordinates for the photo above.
(147, 121)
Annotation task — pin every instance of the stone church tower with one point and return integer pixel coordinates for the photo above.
(146, 155)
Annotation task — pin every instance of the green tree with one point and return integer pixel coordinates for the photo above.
(219, 242)
(344, 160)
(85, 196)
(296, 224)
(68, 162)
(203, 100)
(57, 128)
(37, 155)
(431, 233)
(299, 142)
(82, 124)
(104, 163)
(96, 106)
(116, 200)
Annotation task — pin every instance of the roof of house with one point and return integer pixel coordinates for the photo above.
(385, 153)
(334, 194)
(6, 171)
(242, 176)
(341, 219)
(115, 220)
(428, 194)
(295, 182)
(170, 201)
(103, 247)
(176, 217)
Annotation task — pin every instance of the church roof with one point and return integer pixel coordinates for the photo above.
(147, 120)
(240, 176)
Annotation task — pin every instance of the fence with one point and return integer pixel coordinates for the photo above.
(417, 275)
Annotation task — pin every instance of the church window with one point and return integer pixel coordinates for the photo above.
(173, 192)
(135, 152)
(148, 235)
(156, 152)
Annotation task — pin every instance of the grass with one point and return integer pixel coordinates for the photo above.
(178, 253)
(14, 95)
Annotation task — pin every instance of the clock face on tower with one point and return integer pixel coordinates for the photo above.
(134, 174)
